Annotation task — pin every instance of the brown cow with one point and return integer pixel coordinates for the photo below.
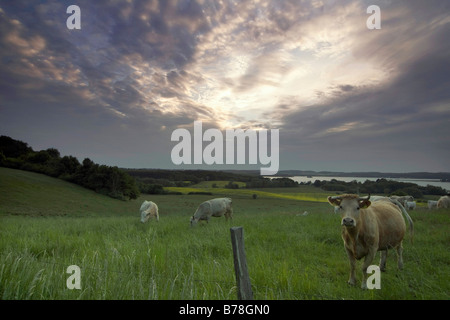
(368, 228)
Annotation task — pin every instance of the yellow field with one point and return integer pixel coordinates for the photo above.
(316, 197)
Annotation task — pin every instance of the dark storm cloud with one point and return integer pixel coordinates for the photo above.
(160, 31)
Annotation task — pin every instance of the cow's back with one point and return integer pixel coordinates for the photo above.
(218, 207)
(390, 224)
(203, 211)
(444, 202)
(146, 205)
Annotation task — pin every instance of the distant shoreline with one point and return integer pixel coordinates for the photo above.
(441, 176)
(419, 182)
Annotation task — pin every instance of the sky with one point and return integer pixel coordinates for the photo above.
(343, 97)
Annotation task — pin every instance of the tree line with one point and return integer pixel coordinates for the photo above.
(103, 179)
(154, 180)
(262, 182)
(193, 176)
(129, 183)
(380, 186)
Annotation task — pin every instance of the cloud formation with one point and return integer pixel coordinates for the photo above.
(344, 97)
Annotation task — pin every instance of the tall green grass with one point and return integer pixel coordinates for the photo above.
(289, 255)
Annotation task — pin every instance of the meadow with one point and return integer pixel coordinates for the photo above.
(47, 225)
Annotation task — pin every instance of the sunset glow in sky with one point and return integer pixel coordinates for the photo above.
(345, 98)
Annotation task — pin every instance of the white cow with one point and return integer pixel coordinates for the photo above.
(410, 205)
(432, 204)
(213, 208)
(149, 210)
(444, 202)
(402, 199)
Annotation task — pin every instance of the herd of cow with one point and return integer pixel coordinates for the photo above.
(369, 224)
(408, 202)
(443, 202)
(212, 208)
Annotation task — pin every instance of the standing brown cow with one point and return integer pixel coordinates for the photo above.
(368, 228)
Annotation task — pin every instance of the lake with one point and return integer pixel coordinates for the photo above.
(420, 182)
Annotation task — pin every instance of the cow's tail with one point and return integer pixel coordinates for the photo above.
(405, 213)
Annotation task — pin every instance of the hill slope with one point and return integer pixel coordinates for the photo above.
(34, 194)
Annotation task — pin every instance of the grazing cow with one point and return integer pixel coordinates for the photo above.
(432, 204)
(397, 203)
(149, 210)
(402, 199)
(443, 202)
(213, 208)
(410, 205)
(370, 227)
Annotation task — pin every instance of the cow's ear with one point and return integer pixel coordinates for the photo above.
(364, 204)
(334, 201)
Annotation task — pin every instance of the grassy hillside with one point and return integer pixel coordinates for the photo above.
(34, 194)
(47, 225)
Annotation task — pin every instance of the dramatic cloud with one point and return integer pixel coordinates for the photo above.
(344, 97)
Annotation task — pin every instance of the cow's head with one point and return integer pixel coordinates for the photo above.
(193, 221)
(349, 206)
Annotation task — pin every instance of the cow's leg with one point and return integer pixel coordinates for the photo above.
(367, 262)
(400, 256)
(384, 254)
(352, 260)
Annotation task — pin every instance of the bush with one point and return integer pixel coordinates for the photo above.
(151, 188)
(200, 192)
(429, 189)
(412, 191)
(232, 185)
(175, 193)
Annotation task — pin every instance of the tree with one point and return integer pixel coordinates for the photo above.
(232, 185)
(70, 164)
(53, 153)
(13, 148)
(40, 157)
(429, 189)
(88, 163)
(317, 183)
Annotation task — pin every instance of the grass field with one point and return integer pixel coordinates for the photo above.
(47, 225)
(274, 193)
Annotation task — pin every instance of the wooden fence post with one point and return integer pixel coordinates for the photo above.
(240, 264)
